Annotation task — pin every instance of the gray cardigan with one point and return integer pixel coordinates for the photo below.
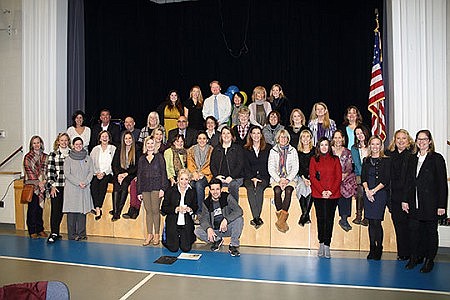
(76, 199)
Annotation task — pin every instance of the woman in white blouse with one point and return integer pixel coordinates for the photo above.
(102, 156)
(79, 129)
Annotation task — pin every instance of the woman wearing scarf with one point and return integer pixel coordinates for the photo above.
(35, 165)
(260, 108)
(283, 168)
(78, 170)
(198, 163)
(176, 158)
(56, 182)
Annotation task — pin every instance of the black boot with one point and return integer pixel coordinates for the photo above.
(302, 201)
(371, 254)
(412, 262)
(378, 252)
(427, 266)
(135, 213)
(116, 203)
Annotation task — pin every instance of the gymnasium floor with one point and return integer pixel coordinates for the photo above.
(107, 268)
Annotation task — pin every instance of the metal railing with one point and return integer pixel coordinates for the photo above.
(6, 160)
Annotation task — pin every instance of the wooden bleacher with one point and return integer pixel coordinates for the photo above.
(266, 236)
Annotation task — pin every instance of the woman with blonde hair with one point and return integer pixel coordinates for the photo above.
(305, 150)
(260, 108)
(151, 185)
(56, 182)
(124, 167)
(400, 151)
(375, 178)
(153, 122)
(193, 108)
(296, 126)
(320, 123)
(283, 169)
(279, 102)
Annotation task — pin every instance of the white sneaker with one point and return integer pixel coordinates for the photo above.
(321, 251)
(327, 251)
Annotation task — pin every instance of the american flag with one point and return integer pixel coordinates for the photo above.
(376, 95)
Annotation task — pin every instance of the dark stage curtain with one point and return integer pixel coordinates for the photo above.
(75, 59)
(318, 50)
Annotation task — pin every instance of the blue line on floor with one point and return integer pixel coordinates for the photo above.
(281, 268)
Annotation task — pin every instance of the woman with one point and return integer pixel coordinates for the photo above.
(426, 200)
(152, 123)
(102, 156)
(320, 123)
(238, 102)
(241, 130)
(399, 151)
(124, 167)
(193, 109)
(198, 163)
(212, 133)
(158, 134)
(297, 125)
(35, 165)
(178, 205)
(55, 182)
(360, 150)
(170, 110)
(176, 158)
(226, 162)
(283, 169)
(151, 184)
(375, 177)
(79, 129)
(78, 170)
(305, 150)
(273, 126)
(256, 178)
(325, 173)
(260, 108)
(280, 103)
(352, 118)
(348, 184)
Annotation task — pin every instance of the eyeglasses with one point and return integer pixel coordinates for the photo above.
(423, 139)
(182, 121)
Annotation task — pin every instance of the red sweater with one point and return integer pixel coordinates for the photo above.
(329, 170)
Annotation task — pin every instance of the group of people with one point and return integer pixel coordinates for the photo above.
(218, 142)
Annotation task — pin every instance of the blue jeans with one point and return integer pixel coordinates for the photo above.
(199, 187)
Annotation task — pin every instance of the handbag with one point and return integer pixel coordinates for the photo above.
(27, 193)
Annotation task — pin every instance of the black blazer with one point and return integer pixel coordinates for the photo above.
(189, 140)
(171, 200)
(113, 129)
(430, 184)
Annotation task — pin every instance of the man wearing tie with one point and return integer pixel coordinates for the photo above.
(190, 134)
(217, 105)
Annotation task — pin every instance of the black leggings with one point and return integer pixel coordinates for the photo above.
(375, 232)
(286, 203)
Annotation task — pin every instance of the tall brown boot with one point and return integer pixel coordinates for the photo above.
(359, 209)
(281, 224)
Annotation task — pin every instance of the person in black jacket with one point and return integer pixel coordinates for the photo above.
(105, 124)
(399, 151)
(189, 134)
(179, 204)
(426, 200)
(256, 156)
(227, 162)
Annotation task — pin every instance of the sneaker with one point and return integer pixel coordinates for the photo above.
(216, 245)
(327, 253)
(321, 251)
(234, 251)
(52, 238)
(259, 223)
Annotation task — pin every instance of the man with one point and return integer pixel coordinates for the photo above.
(190, 135)
(129, 125)
(221, 217)
(217, 105)
(105, 124)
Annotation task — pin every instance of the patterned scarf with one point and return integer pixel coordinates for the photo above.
(282, 163)
(179, 162)
(37, 163)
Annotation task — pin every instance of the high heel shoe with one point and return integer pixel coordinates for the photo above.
(155, 240)
(99, 216)
(146, 243)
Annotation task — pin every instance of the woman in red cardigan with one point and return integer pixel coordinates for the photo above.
(325, 175)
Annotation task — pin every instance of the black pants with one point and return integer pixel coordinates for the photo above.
(182, 240)
(325, 210)
(98, 190)
(56, 213)
(424, 238)
(345, 207)
(255, 196)
(375, 233)
(283, 204)
(401, 226)
(35, 223)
